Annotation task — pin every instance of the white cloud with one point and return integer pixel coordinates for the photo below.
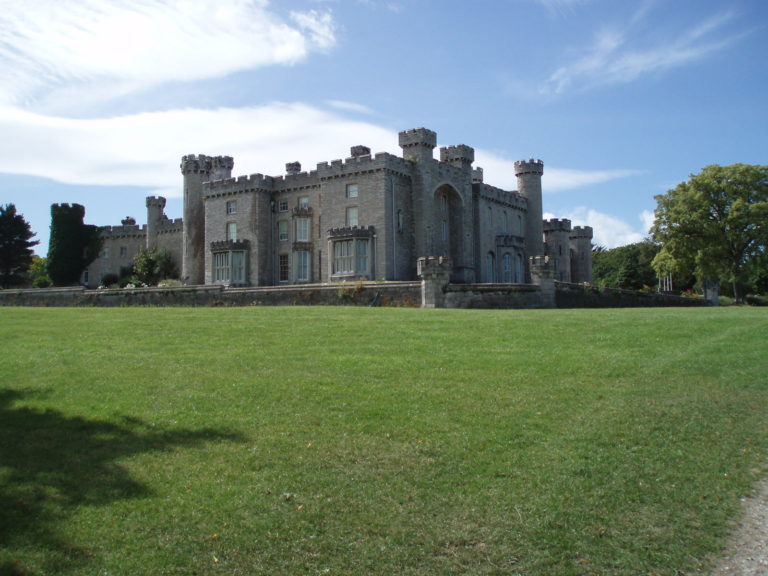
(500, 172)
(145, 149)
(618, 56)
(609, 231)
(648, 218)
(53, 49)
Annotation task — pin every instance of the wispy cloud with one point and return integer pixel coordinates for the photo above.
(561, 7)
(71, 47)
(622, 55)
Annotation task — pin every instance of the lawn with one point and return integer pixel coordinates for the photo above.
(348, 441)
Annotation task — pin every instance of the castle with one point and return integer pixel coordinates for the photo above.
(367, 217)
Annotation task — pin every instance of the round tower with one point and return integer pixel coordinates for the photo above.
(581, 254)
(196, 170)
(529, 173)
(221, 167)
(155, 213)
(557, 234)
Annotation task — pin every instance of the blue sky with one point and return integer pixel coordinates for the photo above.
(622, 100)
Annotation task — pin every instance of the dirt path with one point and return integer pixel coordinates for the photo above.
(747, 552)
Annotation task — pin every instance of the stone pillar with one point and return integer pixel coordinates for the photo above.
(543, 276)
(712, 292)
(435, 274)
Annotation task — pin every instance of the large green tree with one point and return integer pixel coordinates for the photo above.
(73, 244)
(15, 246)
(625, 266)
(715, 224)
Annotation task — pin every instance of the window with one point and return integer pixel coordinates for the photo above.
(505, 222)
(85, 276)
(302, 266)
(229, 267)
(352, 190)
(444, 203)
(283, 268)
(231, 231)
(282, 230)
(490, 265)
(490, 218)
(400, 221)
(351, 257)
(232, 207)
(105, 253)
(123, 251)
(304, 202)
(351, 216)
(282, 206)
(302, 229)
(444, 230)
(506, 263)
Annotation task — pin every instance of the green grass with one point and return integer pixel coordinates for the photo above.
(347, 441)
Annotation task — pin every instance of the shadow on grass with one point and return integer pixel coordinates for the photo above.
(51, 463)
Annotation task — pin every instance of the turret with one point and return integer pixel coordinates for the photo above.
(418, 144)
(581, 254)
(529, 173)
(557, 246)
(196, 170)
(221, 167)
(155, 214)
(460, 156)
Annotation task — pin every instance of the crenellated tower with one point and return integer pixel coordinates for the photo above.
(196, 170)
(418, 144)
(155, 215)
(581, 254)
(529, 173)
(557, 234)
(460, 156)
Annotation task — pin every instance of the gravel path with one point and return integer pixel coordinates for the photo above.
(747, 552)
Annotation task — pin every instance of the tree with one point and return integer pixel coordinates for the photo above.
(151, 266)
(625, 266)
(73, 245)
(38, 272)
(15, 246)
(715, 224)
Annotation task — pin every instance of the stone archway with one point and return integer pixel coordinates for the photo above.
(448, 213)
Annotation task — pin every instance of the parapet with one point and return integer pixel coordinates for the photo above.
(417, 137)
(557, 224)
(581, 232)
(477, 175)
(128, 221)
(293, 168)
(195, 164)
(529, 166)
(356, 151)
(222, 163)
(457, 154)
(156, 201)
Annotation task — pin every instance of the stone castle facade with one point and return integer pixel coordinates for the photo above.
(366, 217)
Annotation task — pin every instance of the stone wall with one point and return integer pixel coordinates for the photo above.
(586, 296)
(347, 294)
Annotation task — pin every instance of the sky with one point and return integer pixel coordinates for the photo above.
(621, 99)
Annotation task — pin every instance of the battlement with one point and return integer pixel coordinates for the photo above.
(477, 175)
(417, 137)
(356, 151)
(239, 184)
(352, 231)
(357, 164)
(222, 162)
(460, 154)
(293, 168)
(128, 221)
(128, 230)
(529, 166)
(556, 224)
(167, 226)
(581, 232)
(156, 201)
(499, 196)
(195, 164)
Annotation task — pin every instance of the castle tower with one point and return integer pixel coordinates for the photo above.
(529, 173)
(221, 167)
(418, 144)
(460, 156)
(557, 246)
(155, 214)
(196, 170)
(581, 254)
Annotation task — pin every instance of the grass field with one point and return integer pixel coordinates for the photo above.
(341, 441)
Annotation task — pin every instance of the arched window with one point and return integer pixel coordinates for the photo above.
(506, 265)
(490, 265)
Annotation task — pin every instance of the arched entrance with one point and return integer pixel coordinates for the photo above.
(448, 237)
